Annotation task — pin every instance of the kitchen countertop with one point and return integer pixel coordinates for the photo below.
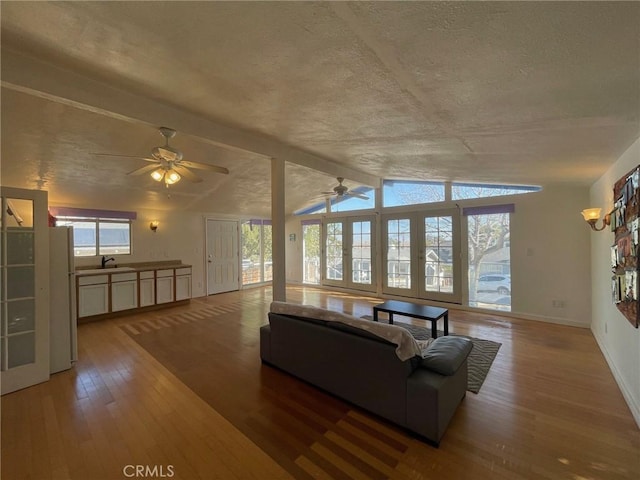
(130, 267)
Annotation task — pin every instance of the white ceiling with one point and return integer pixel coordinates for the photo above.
(510, 92)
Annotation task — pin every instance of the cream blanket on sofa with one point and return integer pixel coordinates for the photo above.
(407, 346)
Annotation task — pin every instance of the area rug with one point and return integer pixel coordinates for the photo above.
(480, 359)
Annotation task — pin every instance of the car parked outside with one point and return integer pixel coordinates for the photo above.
(494, 283)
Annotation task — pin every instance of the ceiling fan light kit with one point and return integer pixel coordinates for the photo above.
(167, 163)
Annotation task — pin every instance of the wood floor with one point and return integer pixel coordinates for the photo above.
(181, 393)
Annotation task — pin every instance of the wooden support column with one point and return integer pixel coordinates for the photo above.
(278, 230)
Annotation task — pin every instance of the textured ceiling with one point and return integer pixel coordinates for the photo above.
(511, 92)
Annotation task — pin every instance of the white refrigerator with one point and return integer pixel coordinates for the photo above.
(63, 327)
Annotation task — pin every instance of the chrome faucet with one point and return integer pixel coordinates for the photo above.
(105, 260)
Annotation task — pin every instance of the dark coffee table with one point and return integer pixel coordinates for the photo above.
(423, 312)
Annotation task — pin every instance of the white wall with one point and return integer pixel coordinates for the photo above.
(180, 236)
(617, 338)
(550, 255)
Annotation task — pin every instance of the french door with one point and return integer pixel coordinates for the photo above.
(349, 248)
(421, 255)
(24, 289)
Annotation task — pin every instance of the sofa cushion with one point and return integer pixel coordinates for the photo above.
(407, 347)
(446, 354)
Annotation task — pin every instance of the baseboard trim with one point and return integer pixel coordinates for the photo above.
(626, 392)
(454, 306)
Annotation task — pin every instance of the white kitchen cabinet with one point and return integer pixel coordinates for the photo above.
(124, 291)
(120, 290)
(183, 283)
(147, 289)
(164, 286)
(93, 295)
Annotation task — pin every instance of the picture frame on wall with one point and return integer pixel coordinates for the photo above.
(625, 224)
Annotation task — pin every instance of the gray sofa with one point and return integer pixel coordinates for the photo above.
(375, 366)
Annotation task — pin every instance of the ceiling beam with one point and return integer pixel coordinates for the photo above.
(44, 80)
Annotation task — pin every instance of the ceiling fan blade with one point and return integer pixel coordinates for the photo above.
(145, 169)
(186, 173)
(327, 193)
(358, 195)
(124, 156)
(204, 166)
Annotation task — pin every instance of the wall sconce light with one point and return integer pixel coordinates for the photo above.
(154, 225)
(591, 216)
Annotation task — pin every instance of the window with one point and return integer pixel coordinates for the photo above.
(489, 260)
(462, 191)
(333, 248)
(352, 203)
(399, 253)
(344, 204)
(438, 254)
(311, 252)
(96, 232)
(257, 257)
(396, 193)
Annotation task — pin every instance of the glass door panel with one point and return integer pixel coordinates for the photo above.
(24, 340)
(422, 255)
(334, 251)
(438, 254)
(349, 246)
(267, 252)
(311, 253)
(398, 256)
(361, 253)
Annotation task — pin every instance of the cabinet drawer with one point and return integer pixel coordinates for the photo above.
(183, 271)
(93, 279)
(149, 274)
(124, 277)
(164, 273)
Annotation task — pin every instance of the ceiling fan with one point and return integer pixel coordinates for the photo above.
(167, 164)
(341, 190)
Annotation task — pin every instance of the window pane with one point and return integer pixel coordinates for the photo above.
(334, 251)
(438, 241)
(84, 237)
(267, 253)
(311, 253)
(396, 193)
(19, 213)
(489, 261)
(461, 191)
(399, 253)
(20, 247)
(21, 316)
(114, 238)
(361, 253)
(21, 349)
(251, 247)
(351, 203)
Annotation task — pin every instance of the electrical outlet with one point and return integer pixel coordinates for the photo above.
(605, 327)
(558, 303)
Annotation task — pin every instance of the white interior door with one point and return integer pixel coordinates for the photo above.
(222, 256)
(24, 289)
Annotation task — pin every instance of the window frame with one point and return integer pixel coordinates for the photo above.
(98, 249)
